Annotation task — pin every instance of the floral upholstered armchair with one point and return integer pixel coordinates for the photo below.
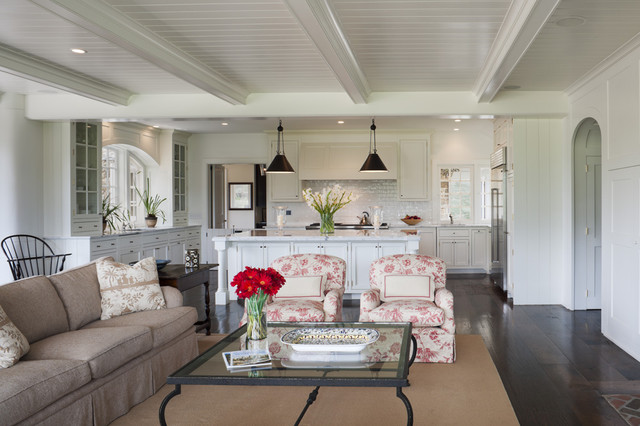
(411, 288)
(313, 289)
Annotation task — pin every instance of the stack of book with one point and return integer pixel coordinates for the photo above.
(247, 360)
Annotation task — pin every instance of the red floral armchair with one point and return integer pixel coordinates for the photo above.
(326, 307)
(389, 301)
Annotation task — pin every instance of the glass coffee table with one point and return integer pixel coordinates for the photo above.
(383, 363)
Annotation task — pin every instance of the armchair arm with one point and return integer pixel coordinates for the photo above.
(333, 305)
(444, 300)
(369, 300)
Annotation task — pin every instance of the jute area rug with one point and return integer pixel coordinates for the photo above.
(467, 392)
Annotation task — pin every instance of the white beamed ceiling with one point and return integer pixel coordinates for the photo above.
(370, 50)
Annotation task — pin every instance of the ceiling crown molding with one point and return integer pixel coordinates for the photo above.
(523, 22)
(108, 23)
(31, 68)
(319, 22)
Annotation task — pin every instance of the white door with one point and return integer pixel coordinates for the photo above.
(446, 252)
(594, 234)
(461, 253)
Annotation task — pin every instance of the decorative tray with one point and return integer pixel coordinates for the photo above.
(330, 339)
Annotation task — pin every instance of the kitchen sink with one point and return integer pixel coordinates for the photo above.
(347, 226)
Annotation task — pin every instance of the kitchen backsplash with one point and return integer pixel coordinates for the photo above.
(371, 193)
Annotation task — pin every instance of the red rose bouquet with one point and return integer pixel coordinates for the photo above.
(255, 285)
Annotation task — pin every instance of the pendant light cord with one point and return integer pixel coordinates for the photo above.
(280, 135)
(372, 135)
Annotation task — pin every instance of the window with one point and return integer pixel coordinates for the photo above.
(456, 193)
(110, 174)
(135, 180)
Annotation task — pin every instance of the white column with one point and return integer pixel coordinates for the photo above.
(222, 293)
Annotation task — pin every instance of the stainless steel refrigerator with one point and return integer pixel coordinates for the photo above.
(499, 218)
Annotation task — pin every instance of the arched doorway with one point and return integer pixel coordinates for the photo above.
(587, 201)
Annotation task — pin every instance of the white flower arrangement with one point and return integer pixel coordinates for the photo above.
(330, 200)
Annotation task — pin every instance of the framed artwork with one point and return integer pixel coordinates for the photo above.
(241, 196)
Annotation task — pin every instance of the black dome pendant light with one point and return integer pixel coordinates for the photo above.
(280, 164)
(373, 163)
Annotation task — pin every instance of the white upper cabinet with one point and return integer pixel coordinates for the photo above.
(342, 161)
(285, 186)
(414, 164)
(72, 186)
(179, 177)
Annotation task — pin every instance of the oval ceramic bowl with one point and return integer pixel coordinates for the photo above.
(161, 263)
(330, 339)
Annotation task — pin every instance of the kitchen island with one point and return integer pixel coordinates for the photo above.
(258, 248)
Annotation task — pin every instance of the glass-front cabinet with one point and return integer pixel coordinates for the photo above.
(179, 184)
(87, 169)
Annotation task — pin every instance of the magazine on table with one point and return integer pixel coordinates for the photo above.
(247, 359)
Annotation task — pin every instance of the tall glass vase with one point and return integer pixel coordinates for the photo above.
(256, 318)
(326, 223)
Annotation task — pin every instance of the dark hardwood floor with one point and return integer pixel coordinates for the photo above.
(555, 364)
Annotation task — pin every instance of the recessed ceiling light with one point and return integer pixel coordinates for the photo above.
(570, 21)
(224, 123)
(512, 87)
(455, 130)
(457, 120)
(79, 51)
(340, 122)
(156, 126)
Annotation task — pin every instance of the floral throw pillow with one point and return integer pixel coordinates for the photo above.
(13, 344)
(125, 289)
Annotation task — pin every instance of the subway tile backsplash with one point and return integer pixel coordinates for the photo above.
(371, 193)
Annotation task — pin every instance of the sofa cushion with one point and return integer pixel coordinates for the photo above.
(34, 307)
(79, 291)
(165, 325)
(105, 349)
(421, 313)
(295, 310)
(13, 344)
(29, 386)
(125, 289)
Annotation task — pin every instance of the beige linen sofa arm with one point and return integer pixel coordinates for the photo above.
(172, 296)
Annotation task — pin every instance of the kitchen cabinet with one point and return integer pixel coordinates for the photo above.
(414, 170)
(255, 255)
(363, 254)
(285, 186)
(104, 247)
(339, 161)
(480, 248)
(129, 248)
(340, 250)
(73, 179)
(179, 176)
(155, 245)
(428, 245)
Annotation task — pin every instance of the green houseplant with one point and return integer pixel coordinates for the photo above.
(110, 214)
(151, 205)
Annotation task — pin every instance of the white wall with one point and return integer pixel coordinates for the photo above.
(240, 173)
(611, 95)
(537, 206)
(20, 174)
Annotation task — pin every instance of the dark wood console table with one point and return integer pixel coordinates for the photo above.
(177, 276)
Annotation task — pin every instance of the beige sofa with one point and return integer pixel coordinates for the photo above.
(81, 370)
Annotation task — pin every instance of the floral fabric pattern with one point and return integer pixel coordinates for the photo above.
(13, 344)
(125, 289)
(433, 323)
(306, 264)
(418, 312)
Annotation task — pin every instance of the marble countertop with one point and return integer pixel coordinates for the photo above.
(315, 235)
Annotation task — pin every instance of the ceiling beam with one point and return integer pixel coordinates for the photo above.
(319, 22)
(523, 22)
(31, 68)
(103, 20)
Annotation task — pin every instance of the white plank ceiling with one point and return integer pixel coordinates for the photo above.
(232, 48)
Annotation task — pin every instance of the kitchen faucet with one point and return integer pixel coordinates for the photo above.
(451, 219)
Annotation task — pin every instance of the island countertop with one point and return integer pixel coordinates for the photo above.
(315, 235)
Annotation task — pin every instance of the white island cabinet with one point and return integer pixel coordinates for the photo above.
(259, 248)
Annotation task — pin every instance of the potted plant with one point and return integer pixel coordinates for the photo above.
(152, 206)
(110, 214)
